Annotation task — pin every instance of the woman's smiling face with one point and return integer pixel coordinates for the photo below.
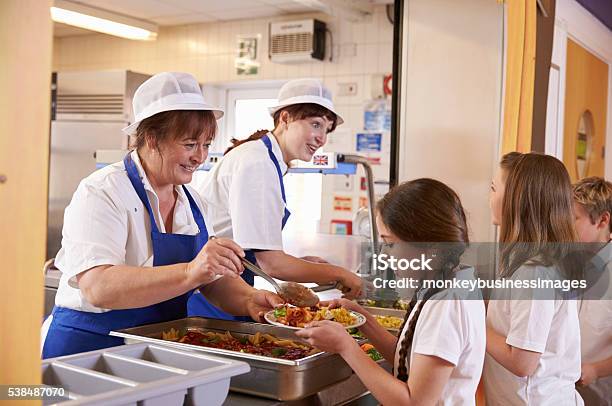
(304, 137)
(180, 158)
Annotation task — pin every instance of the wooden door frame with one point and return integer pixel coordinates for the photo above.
(574, 22)
(26, 34)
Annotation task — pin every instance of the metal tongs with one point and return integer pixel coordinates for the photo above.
(294, 293)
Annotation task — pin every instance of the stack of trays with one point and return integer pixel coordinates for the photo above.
(142, 375)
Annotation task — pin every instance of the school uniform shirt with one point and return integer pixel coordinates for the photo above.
(596, 331)
(106, 223)
(243, 196)
(452, 328)
(548, 326)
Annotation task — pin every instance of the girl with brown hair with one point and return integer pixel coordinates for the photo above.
(533, 341)
(439, 353)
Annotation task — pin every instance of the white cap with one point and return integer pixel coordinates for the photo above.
(299, 91)
(168, 91)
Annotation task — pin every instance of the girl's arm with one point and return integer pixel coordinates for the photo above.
(518, 361)
(593, 371)
(428, 374)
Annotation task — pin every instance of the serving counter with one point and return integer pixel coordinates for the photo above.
(351, 391)
(317, 379)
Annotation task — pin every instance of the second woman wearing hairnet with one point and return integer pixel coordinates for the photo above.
(245, 193)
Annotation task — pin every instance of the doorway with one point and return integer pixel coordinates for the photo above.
(586, 96)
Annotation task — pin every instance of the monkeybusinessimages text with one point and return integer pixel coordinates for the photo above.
(384, 262)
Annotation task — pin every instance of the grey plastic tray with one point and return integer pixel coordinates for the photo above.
(142, 375)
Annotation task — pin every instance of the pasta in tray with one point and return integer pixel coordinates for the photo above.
(259, 344)
(300, 316)
(389, 322)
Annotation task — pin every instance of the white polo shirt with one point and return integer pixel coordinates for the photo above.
(243, 196)
(106, 223)
(453, 329)
(596, 332)
(549, 327)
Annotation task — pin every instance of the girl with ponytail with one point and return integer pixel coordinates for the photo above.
(439, 353)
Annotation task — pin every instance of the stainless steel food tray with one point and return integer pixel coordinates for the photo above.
(269, 377)
(383, 311)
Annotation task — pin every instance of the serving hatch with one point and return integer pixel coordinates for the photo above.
(274, 378)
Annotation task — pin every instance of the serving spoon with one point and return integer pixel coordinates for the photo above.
(293, 292)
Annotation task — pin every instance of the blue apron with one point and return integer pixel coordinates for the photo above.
(72, 331)
(197, 305)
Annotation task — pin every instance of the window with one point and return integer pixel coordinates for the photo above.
(252, 115)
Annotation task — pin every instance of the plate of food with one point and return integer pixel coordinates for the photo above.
(297, 317)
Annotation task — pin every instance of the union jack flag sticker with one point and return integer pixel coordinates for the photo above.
(320, 160)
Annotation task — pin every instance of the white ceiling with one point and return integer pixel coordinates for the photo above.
(180, 12)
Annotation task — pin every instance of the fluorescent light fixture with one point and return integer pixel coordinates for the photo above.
(91, 18)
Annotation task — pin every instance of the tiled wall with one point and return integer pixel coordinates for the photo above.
(361, 50)
(208, 51)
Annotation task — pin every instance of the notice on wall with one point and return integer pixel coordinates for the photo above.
(343, 227)
(369, 142)
(343, 203)
(246, 60)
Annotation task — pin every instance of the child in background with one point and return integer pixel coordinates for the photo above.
(592, 211)
(533, 349)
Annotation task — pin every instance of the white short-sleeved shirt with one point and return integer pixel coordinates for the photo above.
(549, 327)
(106, 223)
(596, 333)
(454, 330)
(243, 196)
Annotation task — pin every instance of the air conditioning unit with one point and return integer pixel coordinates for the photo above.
(297, 41)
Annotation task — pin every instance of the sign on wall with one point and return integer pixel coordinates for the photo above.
(369, 142)
(246, 60)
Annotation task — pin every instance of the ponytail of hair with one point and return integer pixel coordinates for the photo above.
(299, 111)
(257, 135)
(406, 344)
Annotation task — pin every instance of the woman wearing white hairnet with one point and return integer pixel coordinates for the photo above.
(245, 193)
(135, 238)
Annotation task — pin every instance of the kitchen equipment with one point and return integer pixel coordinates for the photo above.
(297, 41)
(143, 374)
(90, 109)
(269, 377)
(292, 292)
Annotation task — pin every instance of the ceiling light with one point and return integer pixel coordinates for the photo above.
(94, 19)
